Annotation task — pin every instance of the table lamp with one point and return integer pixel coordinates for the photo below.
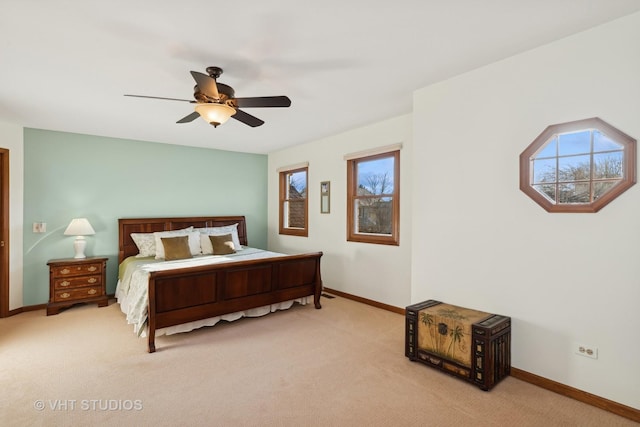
(79, 227)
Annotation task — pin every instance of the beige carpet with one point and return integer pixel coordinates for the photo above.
(343, 365)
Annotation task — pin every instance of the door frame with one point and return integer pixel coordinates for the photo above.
(4, 232)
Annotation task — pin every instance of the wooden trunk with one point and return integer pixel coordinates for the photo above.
(466, 343)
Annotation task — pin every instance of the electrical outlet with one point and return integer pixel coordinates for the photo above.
(586, 350)
(39, 227)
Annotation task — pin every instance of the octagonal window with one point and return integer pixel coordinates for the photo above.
(578, 166)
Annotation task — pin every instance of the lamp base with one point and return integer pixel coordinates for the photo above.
(79, 246)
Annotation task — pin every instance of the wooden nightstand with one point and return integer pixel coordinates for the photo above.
(76, 280)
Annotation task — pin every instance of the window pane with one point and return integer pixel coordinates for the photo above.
(544, 170)
(294, 214)
(297, 185)
(602, 142)
(601, 187)
(374, 215)
(607, 165)
(375, 176)
(574, 143)
(549, 149)
(547, 190)
(574, 193)
(574, 168)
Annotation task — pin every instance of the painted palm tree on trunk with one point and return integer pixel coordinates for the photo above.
(456, 334)
(428, 320)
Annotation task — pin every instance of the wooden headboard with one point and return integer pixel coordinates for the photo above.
(126, 226)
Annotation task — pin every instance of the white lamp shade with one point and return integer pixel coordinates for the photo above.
(79, 227)
(214, 113)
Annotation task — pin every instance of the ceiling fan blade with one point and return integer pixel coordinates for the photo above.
(158, 97)
(247, 118)
(191, 117)
(263, 101)
(207, 84)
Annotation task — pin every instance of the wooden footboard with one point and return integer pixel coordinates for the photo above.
(190, 294)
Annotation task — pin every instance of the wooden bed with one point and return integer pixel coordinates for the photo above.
(190, 294)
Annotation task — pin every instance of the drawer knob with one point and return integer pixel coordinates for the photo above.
(92, 280)
(65, 271)
(65, 283)
(92, 268)
(65, 295)
(92, 291)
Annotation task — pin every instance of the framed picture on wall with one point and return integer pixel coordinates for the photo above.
(325, 197)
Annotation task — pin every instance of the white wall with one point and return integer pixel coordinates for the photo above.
(11, 137)
(480, 242)
(377, 272)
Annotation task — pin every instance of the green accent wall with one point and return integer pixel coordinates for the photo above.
(72, 175)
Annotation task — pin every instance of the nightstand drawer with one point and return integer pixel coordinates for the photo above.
(76, 270)
(79, 293)
(77, 282)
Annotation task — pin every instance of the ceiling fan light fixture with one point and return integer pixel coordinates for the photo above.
(214, 113)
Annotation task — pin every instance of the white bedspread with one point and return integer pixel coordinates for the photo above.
(132, 290)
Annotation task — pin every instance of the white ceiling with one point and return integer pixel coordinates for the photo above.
(65, 65)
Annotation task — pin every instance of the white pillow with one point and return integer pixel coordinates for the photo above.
(194, 240)
(205, 243)
(146, 243)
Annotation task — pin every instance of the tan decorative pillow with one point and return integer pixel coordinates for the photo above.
(205, 243)
(194, 240)
(176, 247)
(222, 245)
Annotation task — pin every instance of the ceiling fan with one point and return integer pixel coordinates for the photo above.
(216, 102)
